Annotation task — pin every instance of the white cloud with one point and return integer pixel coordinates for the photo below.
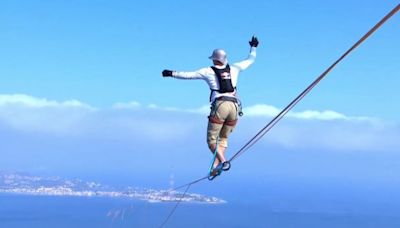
(136, 105)
(323, 129)
(29, 113)
(271, 111)
(33, 102)
(261, 110)
(204, 110)
(129, 105)
(253, 111)
(324, 115)
(335, 135)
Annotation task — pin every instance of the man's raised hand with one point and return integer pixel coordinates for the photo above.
(253, 42)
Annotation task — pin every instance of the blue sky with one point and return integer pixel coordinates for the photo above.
(102, 53)
(83, 80)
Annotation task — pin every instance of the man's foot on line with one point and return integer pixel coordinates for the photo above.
(214, 173)
(222, 166)
(219, 166)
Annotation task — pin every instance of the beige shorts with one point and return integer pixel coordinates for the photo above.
(221, 122)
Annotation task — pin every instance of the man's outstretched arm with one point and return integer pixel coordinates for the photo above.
(252, 56)
(199, 74)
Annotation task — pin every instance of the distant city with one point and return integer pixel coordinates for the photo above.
(21, 183)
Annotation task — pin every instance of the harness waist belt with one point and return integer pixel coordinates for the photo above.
(225, 98)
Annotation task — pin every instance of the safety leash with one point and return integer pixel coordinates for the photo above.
(210, 176)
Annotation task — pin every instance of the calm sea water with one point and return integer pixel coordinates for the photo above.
(17, 211)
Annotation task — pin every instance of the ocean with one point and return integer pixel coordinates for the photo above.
(22, 211)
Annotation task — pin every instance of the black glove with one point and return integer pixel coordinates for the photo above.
(253, 42)
(167, 73)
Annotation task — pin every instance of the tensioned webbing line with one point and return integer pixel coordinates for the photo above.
(277, 118)
(176, 205)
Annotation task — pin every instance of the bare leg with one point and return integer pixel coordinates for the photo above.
(220, 155)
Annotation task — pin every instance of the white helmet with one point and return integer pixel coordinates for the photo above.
(219, 55)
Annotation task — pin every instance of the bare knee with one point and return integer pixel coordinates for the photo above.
(223, 142)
